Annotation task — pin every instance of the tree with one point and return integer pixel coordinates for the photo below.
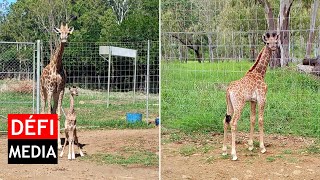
(279, 58)
(208, 11)
(178, 17)
(268, 14)
(312, 27)
(192, 43)
(283, 30)
(120, 8)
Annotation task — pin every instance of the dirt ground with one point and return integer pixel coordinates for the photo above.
(95, 141)
(200, 157)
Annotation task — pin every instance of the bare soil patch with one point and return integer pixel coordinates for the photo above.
(199, 157)
(94, 141)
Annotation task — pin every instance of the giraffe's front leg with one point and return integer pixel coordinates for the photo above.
(49, 101)
(59, 139)
(43, 94)
(261, 133)
(77, 140)
(64, 145)
(59, 106)
(73, 155)
(252, 123)
(58, 99)
(69, 152)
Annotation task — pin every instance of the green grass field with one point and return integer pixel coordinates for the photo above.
(90, 106)
(193, 98)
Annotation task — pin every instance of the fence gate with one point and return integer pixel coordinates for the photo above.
(17, 79)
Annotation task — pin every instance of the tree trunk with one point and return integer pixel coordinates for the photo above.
(283, 29)
(275, 61)
(210, 47)
(197, 50)
(312, 26)
(182, 53)
(268, 14)
(252, 46)
(191, 45)
(275, 57)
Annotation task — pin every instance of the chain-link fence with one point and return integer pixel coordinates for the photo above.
(17, 73)
(89, 70)
(208, 44)
(133, 84)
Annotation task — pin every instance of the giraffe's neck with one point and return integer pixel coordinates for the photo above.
(262, 61)
(57, 57)
(71, 109)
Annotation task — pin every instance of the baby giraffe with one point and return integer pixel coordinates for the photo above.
(250, 88)
(70, 127)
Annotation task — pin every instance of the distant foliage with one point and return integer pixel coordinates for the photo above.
(96, 20)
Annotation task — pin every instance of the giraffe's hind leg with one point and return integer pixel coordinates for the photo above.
(252, 123)
(225, 131)
(234, 120)
(237, 112)
(226, 122)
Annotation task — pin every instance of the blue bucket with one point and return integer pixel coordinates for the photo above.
(157, 121)
(134, 117)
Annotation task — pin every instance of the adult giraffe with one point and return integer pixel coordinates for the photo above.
(53, 78)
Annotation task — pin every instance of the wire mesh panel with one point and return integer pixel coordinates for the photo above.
(89, 71)
(208, 44)
(17, 87)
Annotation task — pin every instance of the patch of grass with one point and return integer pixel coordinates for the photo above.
(210, 160)
(143, 158)
(175, 137)
(293, 160)
(270, 159)
(206, 148)
(193, 98)
(287, 151)
(116, 124)
(274, 158)
(225, 157)
(90, 107)
(256, 143)
(279, 156)
(313, 149)
(187, 150)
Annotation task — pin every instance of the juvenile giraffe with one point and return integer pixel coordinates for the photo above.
(70, 127)
(249, 88)
(53, 78)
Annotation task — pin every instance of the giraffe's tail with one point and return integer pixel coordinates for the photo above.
(229, 108)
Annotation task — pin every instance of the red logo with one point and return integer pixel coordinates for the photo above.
(32, 138)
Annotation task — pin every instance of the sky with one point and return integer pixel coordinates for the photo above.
(4, 4)
(11, 1)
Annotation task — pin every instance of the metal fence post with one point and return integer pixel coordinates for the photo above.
(148, 74)
(34, 80)
(38, 76)
(134, 79)
(109, 73)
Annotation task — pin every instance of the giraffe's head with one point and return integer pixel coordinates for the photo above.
(73, 91)
(64, 32)
(271, 40)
